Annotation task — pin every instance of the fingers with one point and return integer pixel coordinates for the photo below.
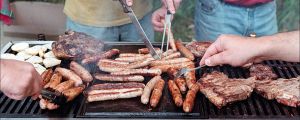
(37, 86)
(211, 50)
(217, 59)
(157, 20)
(129, 2)
(170, 4)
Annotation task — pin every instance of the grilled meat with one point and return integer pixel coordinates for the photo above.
(262, 72)
(76, 45)
(221, 90)
(285, 91)
(198, 48)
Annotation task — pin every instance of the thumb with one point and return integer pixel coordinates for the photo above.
(217, 59)
(129, 2)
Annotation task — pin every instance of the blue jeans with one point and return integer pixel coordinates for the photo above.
(123, 33)
(214, 17)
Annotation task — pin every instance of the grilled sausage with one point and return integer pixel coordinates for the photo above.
(46, 76)
(134, 59)
(114, 87)
(171, 61)
(186, 52)
(64, 85)
(95, 58)
(69, 75)
(180, 82)
(130, 55)
(73, 92)
(114, 62)
(172, 72)
(189, 101)
(190, 77)
(164, 68)
(171, 56)
(168, 52)
(172, 42)
(157, 93)
(148, 88)
(110, 67)
(120, 78)
(54, 81)
(143, 72)
(114, 95)
(175, 92)
(81, 71)
(146, 50)
(139, 64)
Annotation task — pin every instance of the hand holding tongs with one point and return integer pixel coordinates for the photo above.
(140, 29)
(54, 96)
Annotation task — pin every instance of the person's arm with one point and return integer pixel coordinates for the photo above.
(19, 79)
(238, 51)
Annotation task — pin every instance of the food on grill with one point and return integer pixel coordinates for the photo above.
(198, 48)
(54, 81)
(285, 91)
(49, 55)
(32, 50)
(148, 88)
(172, 42)
(119, 78)
(190, 76)
(19, 46)
(181, 83)
(46, 76)
(166, 53)
(130, 55)
(23, 55)
(45, 104)
(81, 71)
(112, 91)
(185, 52)
(50, 62)
(175, 92)
(221, 90)
(146, 50)
(190, 97)
(172, 55)
(39, 68)
(262, 72)
(76, 45)
(64, 85)
(143, 72)
(70, 75)
(164, 68)
(157, 93)
(135, 58)
(172, 72)
(97, 56)
(170, 61)
(35, 60)
(113, 62)
(73, 92)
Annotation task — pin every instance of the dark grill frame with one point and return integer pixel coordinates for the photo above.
(254, 107)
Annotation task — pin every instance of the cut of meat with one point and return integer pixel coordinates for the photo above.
(262, 72)
(285, 91)
(76, 44)
(198, 48)
(221, 90)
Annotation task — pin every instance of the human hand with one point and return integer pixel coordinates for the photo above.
(158, 19)
(233, 50)
(19, 79)
(129, 2)
(172, 4)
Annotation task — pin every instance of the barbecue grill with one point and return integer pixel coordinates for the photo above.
(254, 107)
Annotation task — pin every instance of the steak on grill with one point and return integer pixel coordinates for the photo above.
(262, 72)
(221, 90)
(285, 91)
(76, 45)
(198, 48)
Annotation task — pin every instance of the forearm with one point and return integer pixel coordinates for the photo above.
(282, 46)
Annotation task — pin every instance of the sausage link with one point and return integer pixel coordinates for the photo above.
(81, 71)
(157, 93)
(46, 76)
(54, 81)
(175, 92)
(189, 101)
(190, 77)
(148, 88)
(120, 78)
(186, 52)
(180, 82)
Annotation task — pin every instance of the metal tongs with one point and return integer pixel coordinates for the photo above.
(54, 96)
(140, 29)
(167, 25)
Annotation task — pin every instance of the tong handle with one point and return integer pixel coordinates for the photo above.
(126, 8)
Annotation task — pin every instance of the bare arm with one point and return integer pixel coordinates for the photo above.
(238, 51)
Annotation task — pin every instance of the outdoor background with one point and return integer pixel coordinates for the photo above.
(287, 12)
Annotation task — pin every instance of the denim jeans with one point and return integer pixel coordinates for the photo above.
(123, 33)
(214, 17)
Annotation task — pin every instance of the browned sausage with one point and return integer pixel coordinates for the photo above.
(46, 76)
(69, 75)
(110, 67)
(186, 52)
(81, 71)
(172, 71)
(171, 56)
(180, 82)
(171, 61)
(73, 92)
(146, 50)
(119, 78)
(189, 101)
(139, 64)
(157, 93)
(190, 77)
(114, 62)
(54, 81)
(114, 95)
(175, 92)
(130, 55)
(134, 59)
(143, 72)
(164, 68)
(148, 88)
(172, 42)
(64, 85)
(95, 58)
